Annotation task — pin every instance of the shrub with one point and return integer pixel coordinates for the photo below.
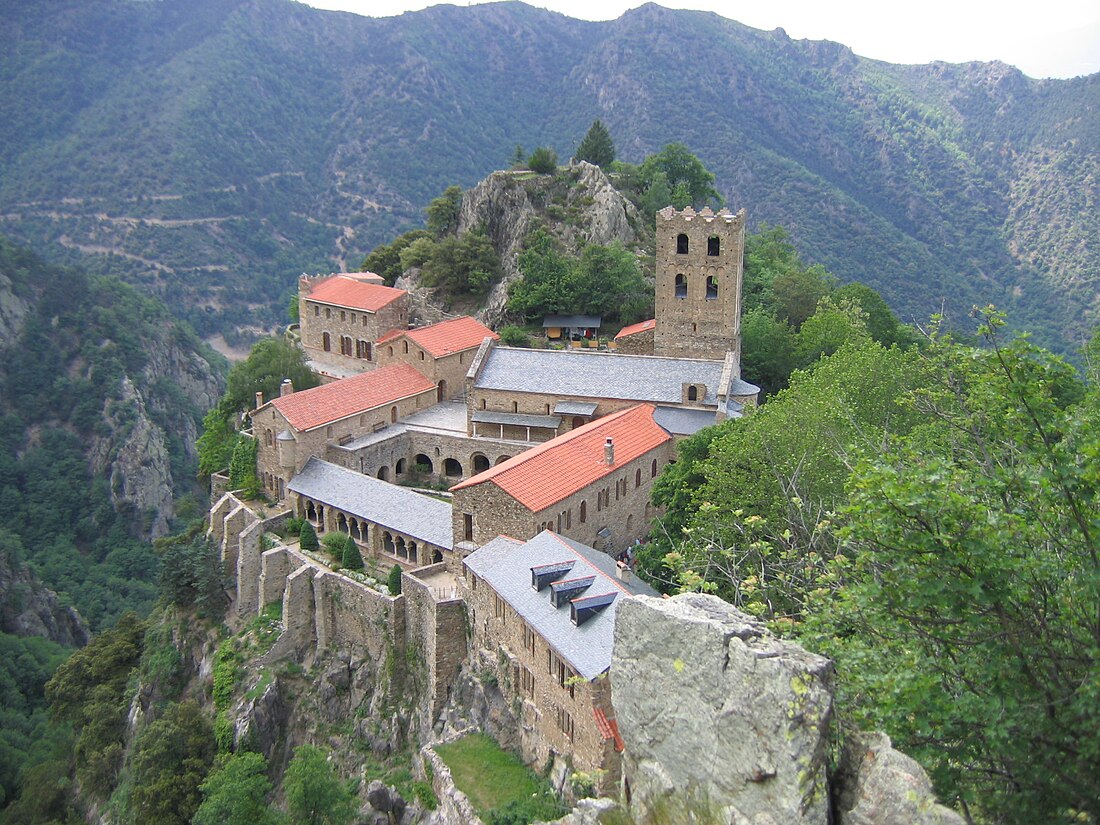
(514, 336)
(352, 559)
(394, 580)
(543, 160)
(334, 545)
(307, 536)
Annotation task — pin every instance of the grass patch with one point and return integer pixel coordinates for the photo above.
(500, 786)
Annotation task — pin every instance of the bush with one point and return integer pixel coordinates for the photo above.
(334, 545)
(543, 160)
(514, 336)
(394, 580)
(352, 558)
(307, 537)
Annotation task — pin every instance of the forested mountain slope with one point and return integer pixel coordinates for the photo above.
(213, 150)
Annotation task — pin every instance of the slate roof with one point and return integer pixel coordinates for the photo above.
(505, 565)
(556, 469)
(396, 508)
(352, 293)
(517, 419)
(684, 421)
(309, 409)
(446, 337)
(575, 408)
(599, 375)
(634, 329)
(573, 321)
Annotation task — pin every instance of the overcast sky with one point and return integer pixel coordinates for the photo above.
(1049, 38)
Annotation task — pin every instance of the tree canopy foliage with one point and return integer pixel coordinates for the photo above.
(597, 146)
(604, 280)
(315, 795)
(928, 518)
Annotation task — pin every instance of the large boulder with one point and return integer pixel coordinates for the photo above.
(720, 718)
(877, 785)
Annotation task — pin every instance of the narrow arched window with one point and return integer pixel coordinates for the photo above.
(681, 286)
(326, 342)
(681, 244)
(714, 246)
(693, 393)
(712, 288)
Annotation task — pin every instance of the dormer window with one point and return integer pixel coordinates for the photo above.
(544, 574)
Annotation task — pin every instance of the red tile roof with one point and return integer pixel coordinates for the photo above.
(446, 337)
(352, 293)
(308, 409)
(633, 329)
(555, 470)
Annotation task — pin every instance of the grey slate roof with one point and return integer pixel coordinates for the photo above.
(683, 421)
(505, 565)
(420, 517)
(574, 408)
(519, 419)
(599, 375)
(573, 321)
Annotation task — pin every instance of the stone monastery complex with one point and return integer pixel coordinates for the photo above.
(549, 457)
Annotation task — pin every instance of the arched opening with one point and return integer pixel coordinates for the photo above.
(437, 557)
(629, 522)
(326, 342)
(714, 246)
(342, 523)
(441, 391)
(311, 511)
(384, 473)
(412, 552)
(400, 549)
(502, 459)
(481, 463)
(353, 529)
(578, 421)
(400, 468)
(638, 478)
(712, 287)
(393, 415)
(584, 512)
(320, 518)
(653, 469)
(693, 393)
(452, 468)
(423, 463)
(387, 543)
(681, 286)
(681, 244)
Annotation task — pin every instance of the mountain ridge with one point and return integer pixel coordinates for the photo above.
(237, 143)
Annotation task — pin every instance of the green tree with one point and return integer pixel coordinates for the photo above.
(514, 336)
(543, 160)
(609, 283)
(394, 580)
(681, 168)
(597, 146)
(796, 293)
(442, 212)
(307, 537)
(171, 757)
(314, 793)
(969, 624)
(236, 792)
(828, 329)
(657, 195)
(352, 559)
(215, 445)
(882, 323)
(268, 363)
(547, 285)
(385, 260)
(242, 467)
(191, 572)
(767, 350)
(519, 157)
(464, 265)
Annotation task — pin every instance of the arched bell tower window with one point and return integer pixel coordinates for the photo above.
(714, 246)
(712, 287)
(681, 286)
(681, 244)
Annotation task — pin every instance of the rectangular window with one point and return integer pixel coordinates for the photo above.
(564, 722)
(528, 639)
(527, 682)
(467, 527)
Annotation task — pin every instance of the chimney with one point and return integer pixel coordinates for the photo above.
(622, 569)
(609, 452)
(259, 400)
(286, 388)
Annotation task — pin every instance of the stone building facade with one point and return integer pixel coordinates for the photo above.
(297, 425)
(542, 615)
(442, 352)
(342, 316)
(700, 260)
(591, 484)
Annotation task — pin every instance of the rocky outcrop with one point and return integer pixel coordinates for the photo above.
(27, 608)
(579, 204)
(877, 785)
(719, 717)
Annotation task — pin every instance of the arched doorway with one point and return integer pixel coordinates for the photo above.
(481, 463)
(441, 391)
(423, 464)
(384, 473)
(452, 468)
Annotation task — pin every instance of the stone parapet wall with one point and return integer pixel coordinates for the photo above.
(437, 628)
(640, 343)
(455, 807)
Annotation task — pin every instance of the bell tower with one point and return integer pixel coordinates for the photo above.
(700, 264)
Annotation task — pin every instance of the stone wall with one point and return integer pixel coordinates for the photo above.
(693, 323)
(450, 369)
(640, 343)
(625, 517)
(317, 318)
(455, 807)
(436, 627)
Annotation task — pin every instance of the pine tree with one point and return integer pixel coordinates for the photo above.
(307, 537)
(394, 580)
(597, 146)
(352, 559)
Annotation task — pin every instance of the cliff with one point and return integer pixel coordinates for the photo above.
(29, 608)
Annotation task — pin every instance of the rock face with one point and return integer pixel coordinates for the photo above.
(877, 785)
(27, 608)
(719, 717)
(509, 204)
